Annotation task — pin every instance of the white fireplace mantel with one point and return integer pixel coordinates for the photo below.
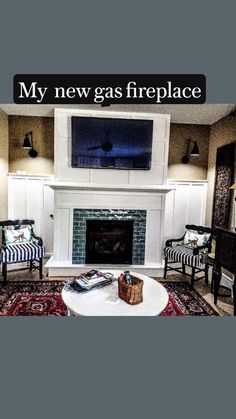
(101, 187)
(70, 196)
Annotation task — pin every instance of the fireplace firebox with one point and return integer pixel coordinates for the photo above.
(109, 241)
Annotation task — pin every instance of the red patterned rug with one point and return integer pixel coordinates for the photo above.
(36, 298)
(184, 302)
(43, 298)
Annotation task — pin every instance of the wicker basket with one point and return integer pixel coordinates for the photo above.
(131, 294)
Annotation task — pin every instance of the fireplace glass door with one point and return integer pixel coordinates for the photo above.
(109, 241)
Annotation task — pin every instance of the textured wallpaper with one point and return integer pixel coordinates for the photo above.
(196, 169)
(43, 139)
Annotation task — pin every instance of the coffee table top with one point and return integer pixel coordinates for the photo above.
(106, 302)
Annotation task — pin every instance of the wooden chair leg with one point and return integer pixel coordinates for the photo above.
(212, 287)
(183, 269)
(216, 277)
(41, 268)
(165, 268)
(192, 278)
(206, 273)
(4, 272)
(212, 283)
(31, 266)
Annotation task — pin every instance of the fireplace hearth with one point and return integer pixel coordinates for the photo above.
(109, 241)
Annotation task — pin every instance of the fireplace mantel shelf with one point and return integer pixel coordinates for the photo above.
(102, 187)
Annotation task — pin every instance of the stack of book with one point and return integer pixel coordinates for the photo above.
(90, 280)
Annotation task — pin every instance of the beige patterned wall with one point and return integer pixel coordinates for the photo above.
(196, 169)
(43, 139)
(3, 164)
(222, 132)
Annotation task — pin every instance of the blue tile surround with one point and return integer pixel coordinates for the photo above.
(79, 230)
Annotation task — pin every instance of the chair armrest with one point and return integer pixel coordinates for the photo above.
(196, 249)
(39, 239)
(169, 242)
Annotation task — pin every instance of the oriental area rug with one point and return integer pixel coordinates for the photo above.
(43, 298)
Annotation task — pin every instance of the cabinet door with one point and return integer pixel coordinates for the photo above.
(29, 198)
(185, 205)
(181, 201)
(48, 212)
(16, 198)
(169, 212)
(197, 203)
(34, 203)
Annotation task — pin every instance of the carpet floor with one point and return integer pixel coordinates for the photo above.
(43, 298)
(184, 302)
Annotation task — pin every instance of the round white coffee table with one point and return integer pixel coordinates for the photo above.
(105, 301)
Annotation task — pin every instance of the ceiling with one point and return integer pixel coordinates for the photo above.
(205, 114)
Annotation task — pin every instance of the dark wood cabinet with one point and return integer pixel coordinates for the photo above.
(225, 257)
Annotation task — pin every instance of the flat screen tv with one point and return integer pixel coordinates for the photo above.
(111, 143)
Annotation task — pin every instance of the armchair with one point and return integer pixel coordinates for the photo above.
(20, 244)
(190, 250)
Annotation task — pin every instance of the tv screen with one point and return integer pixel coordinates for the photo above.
(111, 143)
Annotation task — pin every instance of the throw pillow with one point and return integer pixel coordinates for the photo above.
(193, 239)
(22, 235)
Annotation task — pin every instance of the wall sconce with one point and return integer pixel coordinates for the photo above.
(194, 152)
(28, 144)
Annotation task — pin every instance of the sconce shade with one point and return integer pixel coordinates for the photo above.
(233, 186)
(195, 150)
(27, 144)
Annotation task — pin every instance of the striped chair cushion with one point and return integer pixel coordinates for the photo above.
(184, 255)
(21, 252)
